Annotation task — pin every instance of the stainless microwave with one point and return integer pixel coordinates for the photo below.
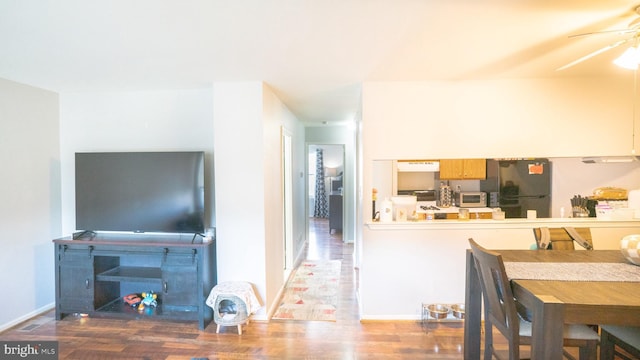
(471, 199)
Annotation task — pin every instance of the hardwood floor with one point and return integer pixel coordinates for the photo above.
(347, 338)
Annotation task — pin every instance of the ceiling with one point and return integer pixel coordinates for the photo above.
(314, 54)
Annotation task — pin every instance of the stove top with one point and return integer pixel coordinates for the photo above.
(423, 206)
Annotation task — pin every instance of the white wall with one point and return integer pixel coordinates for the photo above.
(239, 176)
(30, 206)
(485, 119)
(403, 268)
(248, 119)
(171, 120)
(276, 116)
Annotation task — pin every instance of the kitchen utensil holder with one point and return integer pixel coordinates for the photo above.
(445, 196)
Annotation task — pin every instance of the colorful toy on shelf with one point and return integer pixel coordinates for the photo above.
(132, 299)
(148, 299)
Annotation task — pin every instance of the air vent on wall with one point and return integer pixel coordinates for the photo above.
(418, 166)
(608, 159)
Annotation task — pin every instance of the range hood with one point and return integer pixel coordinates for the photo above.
(418, 166)
(609, 159)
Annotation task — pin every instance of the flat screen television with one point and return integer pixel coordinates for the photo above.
(140, 192)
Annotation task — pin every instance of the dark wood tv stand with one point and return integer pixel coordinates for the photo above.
(94, 274)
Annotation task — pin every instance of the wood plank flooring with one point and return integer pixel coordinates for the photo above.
(347, 338)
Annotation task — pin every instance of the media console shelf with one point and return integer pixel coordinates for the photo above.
(93, 275)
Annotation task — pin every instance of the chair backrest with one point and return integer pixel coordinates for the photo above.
(614, 337)
(562, 238)
(499, 303)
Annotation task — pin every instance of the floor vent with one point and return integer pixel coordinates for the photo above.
(30, 327)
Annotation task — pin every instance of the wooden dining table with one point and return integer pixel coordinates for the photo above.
(586, 298)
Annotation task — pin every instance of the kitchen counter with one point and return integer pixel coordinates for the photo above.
(501, 224)
(406, 264)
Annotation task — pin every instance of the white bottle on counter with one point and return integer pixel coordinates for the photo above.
(386, 210)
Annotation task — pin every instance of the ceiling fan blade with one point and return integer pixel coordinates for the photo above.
(618, 31)
(589, 56)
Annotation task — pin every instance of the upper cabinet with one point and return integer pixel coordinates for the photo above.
(463, 169)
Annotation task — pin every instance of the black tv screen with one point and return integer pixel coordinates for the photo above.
(140, 191)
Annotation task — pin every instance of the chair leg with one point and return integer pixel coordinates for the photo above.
(488, 339)
(589, 351)
(606, 346)
(218, 329)
(239, 329)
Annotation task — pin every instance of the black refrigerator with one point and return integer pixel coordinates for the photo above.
(519, 185)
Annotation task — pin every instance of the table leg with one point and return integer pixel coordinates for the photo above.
(473, 311)
(547, 328)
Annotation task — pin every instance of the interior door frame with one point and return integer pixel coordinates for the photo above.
(287, 191)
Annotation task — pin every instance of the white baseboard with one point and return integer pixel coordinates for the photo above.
(26, 317)
(389, 318)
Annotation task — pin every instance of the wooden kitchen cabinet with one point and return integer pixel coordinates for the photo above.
(463, 169)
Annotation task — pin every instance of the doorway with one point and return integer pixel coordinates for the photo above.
(325, 196)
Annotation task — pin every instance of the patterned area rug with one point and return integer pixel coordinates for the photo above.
(312, 292)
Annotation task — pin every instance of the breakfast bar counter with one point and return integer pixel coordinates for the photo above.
(406, 264)
(528, 224)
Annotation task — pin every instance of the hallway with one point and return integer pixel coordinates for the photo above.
(325, 245)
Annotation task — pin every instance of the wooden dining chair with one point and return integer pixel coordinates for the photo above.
(613, 338)
(500, 312)
(562, 238)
